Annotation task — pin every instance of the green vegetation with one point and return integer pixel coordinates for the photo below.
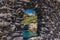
(28, 19)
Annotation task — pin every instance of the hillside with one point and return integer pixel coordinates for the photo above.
(29, 18)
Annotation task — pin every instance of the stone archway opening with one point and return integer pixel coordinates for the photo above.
(47, 17)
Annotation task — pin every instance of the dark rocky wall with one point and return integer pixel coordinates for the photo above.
(48, 15)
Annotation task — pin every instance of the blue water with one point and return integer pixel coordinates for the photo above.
(26, 34)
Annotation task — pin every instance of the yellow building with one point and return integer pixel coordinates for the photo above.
(33, 27)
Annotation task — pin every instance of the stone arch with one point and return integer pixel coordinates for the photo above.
(47, 14)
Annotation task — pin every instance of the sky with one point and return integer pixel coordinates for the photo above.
(30, 11)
